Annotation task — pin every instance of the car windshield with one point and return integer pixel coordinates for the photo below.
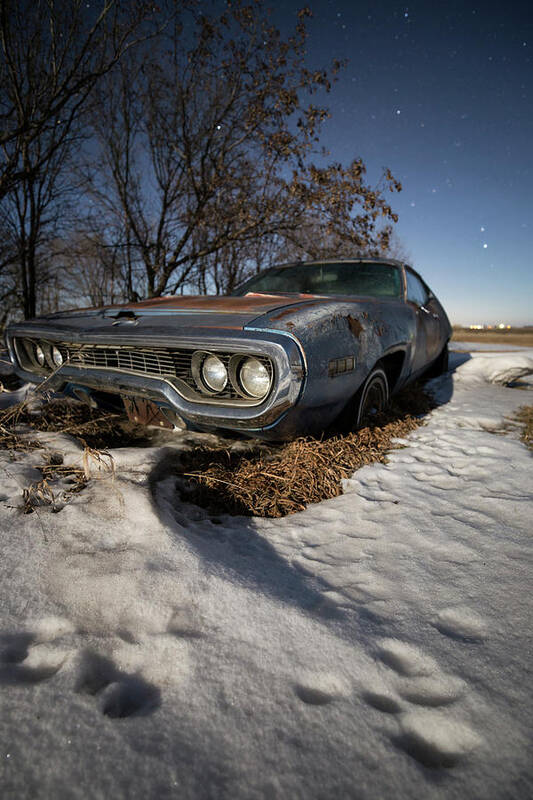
(368, 279)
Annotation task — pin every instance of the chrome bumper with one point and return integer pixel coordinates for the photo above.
(283, 350)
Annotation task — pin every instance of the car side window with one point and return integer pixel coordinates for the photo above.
(416, 291)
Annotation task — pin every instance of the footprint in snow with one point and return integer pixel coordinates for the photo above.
(420, 680)
(29, 657)
(405, 659)
(122, 694)
(427, 735)
(435, 690)
(461, 623)
(320, 688)
(434, 740)
(382, 700)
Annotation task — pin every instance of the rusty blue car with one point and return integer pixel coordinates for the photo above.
(296, 348)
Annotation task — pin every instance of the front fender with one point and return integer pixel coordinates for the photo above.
(331, 332)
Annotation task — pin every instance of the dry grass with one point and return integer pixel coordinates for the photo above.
(36, 495)
(276, 481)
(521, 337)
(94, 428)
(265, 480)
(61, 481)
(524, 416)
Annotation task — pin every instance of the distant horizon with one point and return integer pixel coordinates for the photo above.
(491, 325)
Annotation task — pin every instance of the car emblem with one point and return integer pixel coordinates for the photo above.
(126, 318)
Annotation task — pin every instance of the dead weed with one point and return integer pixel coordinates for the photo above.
(96, 429)
(524, 416)
(284, 479)
(267, 480)
(60, 481)
(36, 495)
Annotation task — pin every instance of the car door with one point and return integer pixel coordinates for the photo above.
(428, 328)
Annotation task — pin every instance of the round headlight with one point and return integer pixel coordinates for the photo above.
(57, 358)
(39, 355)
(214, 373)
(254, 377)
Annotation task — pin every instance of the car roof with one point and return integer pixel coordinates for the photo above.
(362, 260)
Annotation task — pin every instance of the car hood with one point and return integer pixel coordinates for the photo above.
(218, 312)
(251, 303)
(185, 312)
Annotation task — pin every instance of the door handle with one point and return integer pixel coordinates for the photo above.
(430, 313)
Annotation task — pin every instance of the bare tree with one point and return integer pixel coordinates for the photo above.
(91, 268)
(35, 210)
(206, 146)
(52, 53)
(9, 298)
(202, 146)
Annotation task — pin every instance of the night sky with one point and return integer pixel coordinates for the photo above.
(441, 92)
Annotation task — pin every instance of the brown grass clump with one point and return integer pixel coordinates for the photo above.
(61, 481)
(276, 481)
(265, 480)
(36, 495)
(524, 415)
(95, 428)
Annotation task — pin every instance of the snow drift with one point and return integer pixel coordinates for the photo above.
(376, 644)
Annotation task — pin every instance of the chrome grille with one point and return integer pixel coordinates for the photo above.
(151, 361)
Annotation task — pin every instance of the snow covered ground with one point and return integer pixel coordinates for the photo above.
(377, 645)
(470, 347)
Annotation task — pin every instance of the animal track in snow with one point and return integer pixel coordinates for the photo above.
(434, 740)
(122, 694)
(318, 689)
(428, 734)
(31, 657)
(382, 701)
(25, 659)
(405, 659)
(436, 690)
(461, 623)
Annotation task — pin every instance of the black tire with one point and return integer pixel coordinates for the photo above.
(356, 410)
(440, 365)
(372, 398)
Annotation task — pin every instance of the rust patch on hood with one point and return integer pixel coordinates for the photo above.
(354, 325)
(248, 304)
(284, 313)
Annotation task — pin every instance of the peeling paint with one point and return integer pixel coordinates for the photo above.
(354, 325)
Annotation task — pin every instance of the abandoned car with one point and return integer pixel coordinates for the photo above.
(295, 348)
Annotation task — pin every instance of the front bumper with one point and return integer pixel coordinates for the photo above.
(282, 349)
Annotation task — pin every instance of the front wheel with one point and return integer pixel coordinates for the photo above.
(372, 398)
